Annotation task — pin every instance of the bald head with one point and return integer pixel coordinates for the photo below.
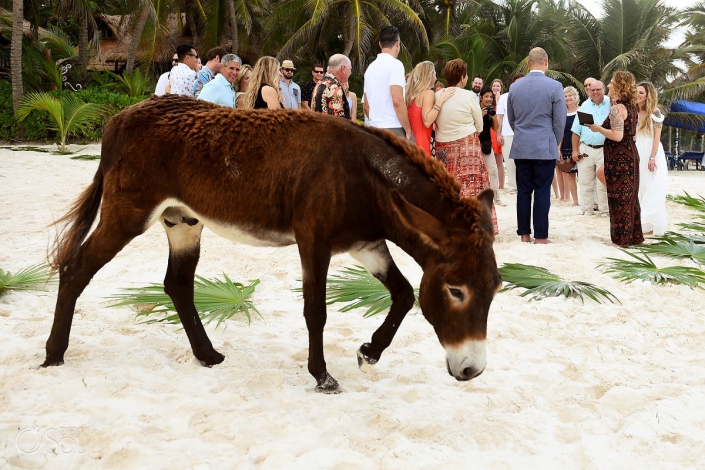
(538, 59)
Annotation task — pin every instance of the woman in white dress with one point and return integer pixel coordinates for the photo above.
(653, 171)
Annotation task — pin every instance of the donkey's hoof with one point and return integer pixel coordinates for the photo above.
(52, 361)
(211, 359)
(364, 361)
(328, 385)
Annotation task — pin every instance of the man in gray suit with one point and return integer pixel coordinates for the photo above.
(537, 112)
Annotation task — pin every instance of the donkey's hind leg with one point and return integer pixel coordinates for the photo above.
(184, 233)
(110, 236)
(378, 262)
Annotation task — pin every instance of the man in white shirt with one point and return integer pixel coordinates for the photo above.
(505, 136)
(164, 78)
(384, 87)
(184, 74)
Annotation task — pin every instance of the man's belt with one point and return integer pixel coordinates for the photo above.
(594, 146)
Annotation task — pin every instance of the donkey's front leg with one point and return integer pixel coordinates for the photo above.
(378, 262)
(314, 262)
(184, 235)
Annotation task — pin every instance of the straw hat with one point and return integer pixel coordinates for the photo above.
(287, 64)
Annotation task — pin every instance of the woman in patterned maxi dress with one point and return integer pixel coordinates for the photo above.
(622, 162)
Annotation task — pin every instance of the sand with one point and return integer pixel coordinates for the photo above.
(567, 385)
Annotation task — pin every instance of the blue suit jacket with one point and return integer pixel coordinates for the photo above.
(537, 112)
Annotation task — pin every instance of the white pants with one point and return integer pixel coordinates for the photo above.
(510, 173)
(493, 172)
(588, 184)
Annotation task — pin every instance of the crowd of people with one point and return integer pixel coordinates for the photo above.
(604, 154)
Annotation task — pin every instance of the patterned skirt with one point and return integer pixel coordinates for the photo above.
(463, 159)
(622, 176)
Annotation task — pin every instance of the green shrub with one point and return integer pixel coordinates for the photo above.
(37, 126)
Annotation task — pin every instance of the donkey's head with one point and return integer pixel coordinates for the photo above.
(459, 282)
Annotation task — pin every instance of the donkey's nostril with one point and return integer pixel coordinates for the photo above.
(471, 373)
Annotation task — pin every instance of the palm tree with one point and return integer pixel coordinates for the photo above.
(16, 53)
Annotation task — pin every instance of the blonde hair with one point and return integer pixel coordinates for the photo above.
(650, 105)
(421, 79)
(624, 87)
(243, 71)
(501, 85)
(571, 90)
(266, 72)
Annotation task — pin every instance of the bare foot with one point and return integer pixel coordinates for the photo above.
(542, 241)
(649, 233)
(526, 238)
(575, 204)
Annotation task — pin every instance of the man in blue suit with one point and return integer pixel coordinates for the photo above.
(537, 112)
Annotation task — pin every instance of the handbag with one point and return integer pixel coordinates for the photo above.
(566, 166)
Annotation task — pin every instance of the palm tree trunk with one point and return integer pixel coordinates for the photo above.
(16, 53)
(83, 42)
(191, 20)
(139, 28)
(234, 31)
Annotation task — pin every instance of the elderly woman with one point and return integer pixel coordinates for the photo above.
(458, 125)
(241, 84)
(263, 91)
(622, 161)
(566, 180)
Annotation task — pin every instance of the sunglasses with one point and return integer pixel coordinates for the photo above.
(288, 70)
(318, 71)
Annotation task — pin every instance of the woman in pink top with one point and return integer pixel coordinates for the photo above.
(421, 103)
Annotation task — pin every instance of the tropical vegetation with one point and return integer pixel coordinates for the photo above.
(34, 277)
(492, 36)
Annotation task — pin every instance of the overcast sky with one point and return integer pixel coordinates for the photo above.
(595, 7)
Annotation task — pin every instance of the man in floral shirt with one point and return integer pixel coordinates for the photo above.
(184, 74)
(329, 96)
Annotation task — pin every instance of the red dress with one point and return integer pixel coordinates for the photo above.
(422, 134)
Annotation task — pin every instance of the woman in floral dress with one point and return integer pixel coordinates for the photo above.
(622, 161)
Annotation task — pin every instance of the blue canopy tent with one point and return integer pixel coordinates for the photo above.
(681, 122)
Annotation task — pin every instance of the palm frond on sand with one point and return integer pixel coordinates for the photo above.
(31, 278)
(697, 203)
(694, 226)
(676, 249)
(215, 300)
(641, 267)
(541, 283)
(358, 288)
(668, 237)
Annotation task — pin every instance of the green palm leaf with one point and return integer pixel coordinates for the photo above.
(215, 300)
(358, 288)
(675, 236)
(541, 283)
(677, 249)
(32, 278)
(643, 268)
(696, 203)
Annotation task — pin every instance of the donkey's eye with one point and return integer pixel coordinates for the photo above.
(457, 293)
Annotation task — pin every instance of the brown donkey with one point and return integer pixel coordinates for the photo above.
(277, 178)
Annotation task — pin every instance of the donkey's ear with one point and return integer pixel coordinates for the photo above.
(427, 227)
(486, 197)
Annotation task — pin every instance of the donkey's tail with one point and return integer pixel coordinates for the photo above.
(78, 222)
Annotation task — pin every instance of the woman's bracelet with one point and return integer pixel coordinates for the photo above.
(652, 158)
(436, 107)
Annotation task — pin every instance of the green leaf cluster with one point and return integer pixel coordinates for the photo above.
(641, 267)
(215, 300)
(541, 283)
(32, 278)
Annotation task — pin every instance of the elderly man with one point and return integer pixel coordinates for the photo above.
(220, 89)
(536, 110)
(290, 90)
(589, 144)
(588, 81)
(329, 96)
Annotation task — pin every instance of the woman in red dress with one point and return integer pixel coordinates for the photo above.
(622, 161)
(421, 102)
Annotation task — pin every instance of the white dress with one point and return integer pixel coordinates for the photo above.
(652, 184)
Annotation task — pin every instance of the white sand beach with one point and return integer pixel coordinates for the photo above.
(567, 385)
